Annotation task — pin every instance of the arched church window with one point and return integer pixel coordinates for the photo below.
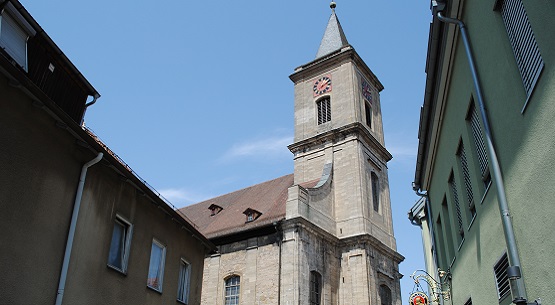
(324, 110)
(232, 289)
(385, 295)
(315, 288)
(375, 191)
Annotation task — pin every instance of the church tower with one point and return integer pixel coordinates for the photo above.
(338, 231)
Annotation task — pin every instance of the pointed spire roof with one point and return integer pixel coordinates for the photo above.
(334, 37)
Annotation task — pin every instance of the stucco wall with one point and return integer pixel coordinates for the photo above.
(39, 173)
(525, 148)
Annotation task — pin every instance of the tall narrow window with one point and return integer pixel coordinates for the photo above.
(480, 145)
(385, 295)
(467, 183)
(440, 249)
(455, 194)
(156, 266)
(468, 302)
(523, 42)
(324, 110)
(315, 288)
(232, 290)
(375, 191)
(447, 229)
(368, 114)
(120, 244)
(184, 282)
(13, 39)
(501, 278)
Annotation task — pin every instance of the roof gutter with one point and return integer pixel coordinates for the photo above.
(426, 109)
(516, 281)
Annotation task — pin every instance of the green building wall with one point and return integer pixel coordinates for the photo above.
(525, 144)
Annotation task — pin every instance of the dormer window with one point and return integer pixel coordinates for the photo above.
(251, 214)
(14, 32)
(214, 209)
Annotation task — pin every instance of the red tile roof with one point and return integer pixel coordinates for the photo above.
(268, 198)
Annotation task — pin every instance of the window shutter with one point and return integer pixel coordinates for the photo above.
(501, 277)
(13, 39)
(523, 42)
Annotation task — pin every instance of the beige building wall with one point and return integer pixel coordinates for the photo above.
(258, 267)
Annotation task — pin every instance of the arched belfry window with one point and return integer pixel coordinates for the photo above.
(375, 191)
(315, 288)
(232, 290)
(385, 295)
(324, 110)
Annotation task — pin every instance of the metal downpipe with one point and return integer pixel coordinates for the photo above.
(519, 292)
(72, 226)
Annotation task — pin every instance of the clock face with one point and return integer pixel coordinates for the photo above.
(366, 91)
(322, 85)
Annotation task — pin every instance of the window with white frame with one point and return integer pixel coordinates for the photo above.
(14, 33)
(120, 244)
(232, 290)
(156, 266)
(523, 42)
(184, 282)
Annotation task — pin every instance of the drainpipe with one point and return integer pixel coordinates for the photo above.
(513, 271)
(95, 98)
(73, 224)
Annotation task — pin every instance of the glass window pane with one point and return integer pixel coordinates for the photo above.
(155, 269)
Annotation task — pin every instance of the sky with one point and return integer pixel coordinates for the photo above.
(196, 96)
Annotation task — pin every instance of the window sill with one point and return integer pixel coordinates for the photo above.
(123, 272)
(460, 245)
(154, 289)
(181, 302)
(472, 222)
(486, 192)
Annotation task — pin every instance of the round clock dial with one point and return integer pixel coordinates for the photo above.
(322, 85)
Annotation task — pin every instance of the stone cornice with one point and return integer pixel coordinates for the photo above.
(346, 53)
(339, 134)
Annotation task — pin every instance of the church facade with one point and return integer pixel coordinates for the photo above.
(324, 234)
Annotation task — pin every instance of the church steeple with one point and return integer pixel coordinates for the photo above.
(334, 37)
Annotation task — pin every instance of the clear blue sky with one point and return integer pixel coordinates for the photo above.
(196, 96)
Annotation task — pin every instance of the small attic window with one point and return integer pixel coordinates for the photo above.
(251, 214)
(214, 209)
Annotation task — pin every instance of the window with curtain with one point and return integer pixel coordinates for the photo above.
(232, 290)
(315, 288)
(120, 244)
(156, 266)
(184, 282)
